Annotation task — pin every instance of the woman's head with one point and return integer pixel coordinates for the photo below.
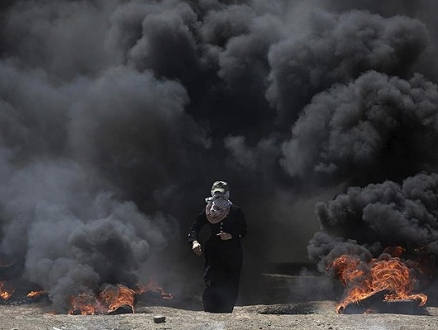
(220, 188)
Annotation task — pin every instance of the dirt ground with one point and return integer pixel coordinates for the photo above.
(271, 307)
(316, 315)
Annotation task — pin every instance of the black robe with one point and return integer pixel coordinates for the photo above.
(223, 259)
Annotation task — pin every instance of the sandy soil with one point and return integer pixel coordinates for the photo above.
(310, 315)
(314, 315)
(275, 312)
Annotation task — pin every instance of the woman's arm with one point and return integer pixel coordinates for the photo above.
(194, 231)
(195, 228)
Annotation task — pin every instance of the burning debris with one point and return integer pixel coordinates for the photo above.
(5, 292)
(363, 279)
(113, 297)
(371, 218)
(12, 293)
(108, 300)
(153, 287)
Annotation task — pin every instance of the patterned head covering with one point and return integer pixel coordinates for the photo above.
(218, 205)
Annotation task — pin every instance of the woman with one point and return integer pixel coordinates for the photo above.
(223, 249)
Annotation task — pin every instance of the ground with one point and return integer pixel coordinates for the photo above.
(277, 311)
(318, 315)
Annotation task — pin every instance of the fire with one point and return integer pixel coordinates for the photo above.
(116, 297)
(151, 285)
(5, 293)
(33, 294)
(87, 304)
(111, 298)
(364, 279)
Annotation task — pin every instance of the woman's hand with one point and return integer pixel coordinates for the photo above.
(224, 236)
(196, 247)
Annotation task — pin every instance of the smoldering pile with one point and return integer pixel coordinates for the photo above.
(381, 238)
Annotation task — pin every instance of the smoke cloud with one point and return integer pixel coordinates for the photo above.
(375, 124)
(337, 49)
(116, 116)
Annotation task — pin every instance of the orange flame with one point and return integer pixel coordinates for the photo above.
(366, 279)
(118, 296)
(111, 298)
(33, 294)
(153, 286)
(87, 304)
(5, 294)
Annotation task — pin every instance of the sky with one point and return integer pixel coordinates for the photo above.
(116, 116)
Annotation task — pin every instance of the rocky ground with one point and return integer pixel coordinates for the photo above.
(186, 313)
(318, 315)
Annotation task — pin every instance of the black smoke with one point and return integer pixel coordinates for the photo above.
(377, 126)
(379, 216)
(116, 116)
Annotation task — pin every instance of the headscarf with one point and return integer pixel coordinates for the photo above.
(218, 206)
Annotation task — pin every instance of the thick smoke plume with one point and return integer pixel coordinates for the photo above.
(364, 221)
(117, 115)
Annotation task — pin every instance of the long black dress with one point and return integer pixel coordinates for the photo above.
(223, 260)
